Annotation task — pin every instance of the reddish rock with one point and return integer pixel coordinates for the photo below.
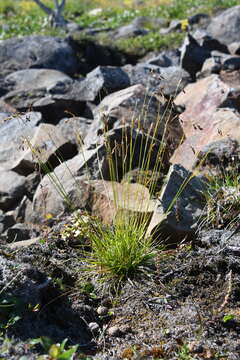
(204, 121)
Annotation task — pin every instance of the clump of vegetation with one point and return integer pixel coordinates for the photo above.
(55, 351)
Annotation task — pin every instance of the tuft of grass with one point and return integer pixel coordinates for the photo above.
(120, 252)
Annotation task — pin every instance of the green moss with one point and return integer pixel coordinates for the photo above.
(150, 42)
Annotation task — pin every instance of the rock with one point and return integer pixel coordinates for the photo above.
(94, 327)
(91, 53)
(113, 201)
(18, 232)
(102, 310)
(102, 81)
(134, 107)
(114, 331)
(231, 63)
(201, 99)
(224, 124)
(204, 121)
(37, 51)
(166, 58)
(199, 20)
(180, 206)
(31, 79)
(24, 243)
(12, 189)
(226, 26)
(153, 22)
(128, 31)
(175, 25)
(234, 48)
(74, 129)
(31, 85)
(6, 220)
(23, 100)
(209, 43)
(14, 131)
(60, 192)
(193, 56)
(166, 80)
(70, 186)
(44, 150)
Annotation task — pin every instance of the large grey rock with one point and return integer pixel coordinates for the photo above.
(37, 51)
(226, 26)
(14, 131)
(102, 81)
(12, 189)
(138, 109)
(130, 30)
(158, 80)
(74, 129)
(68, 186)
(44, 150)
(31, 79)
(180, 206)
(166, 58)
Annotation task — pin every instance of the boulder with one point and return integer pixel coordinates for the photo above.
(199, 20)
(31, 79)
(209, 116)
(225, 27)
(179, 207)
(222, 124)
(158, 80)
(166, 58)
(37, 51)
(209, 43)
(14, 131)
(74, 129)
(138, 109)
(201, 99)
(44, 150)
(102, 81)
(193, 56)
(68, 186)
(234, 48)
(112, 201)
(12, 189)
(128, 31)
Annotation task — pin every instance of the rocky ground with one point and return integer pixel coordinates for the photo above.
(60, 98)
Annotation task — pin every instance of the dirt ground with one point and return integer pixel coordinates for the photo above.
(187, 307)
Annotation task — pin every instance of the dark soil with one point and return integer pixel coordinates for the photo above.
(175, 311)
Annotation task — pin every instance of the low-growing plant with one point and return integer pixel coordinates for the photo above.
(55, 351)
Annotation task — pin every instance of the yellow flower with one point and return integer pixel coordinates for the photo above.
(184, 24)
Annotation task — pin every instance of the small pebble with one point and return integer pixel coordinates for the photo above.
(102, 310)
(114, 331)
(94, 327)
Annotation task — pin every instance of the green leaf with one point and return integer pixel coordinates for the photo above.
(62, 346)
(228, 317)
(46, 343)
(67, 355)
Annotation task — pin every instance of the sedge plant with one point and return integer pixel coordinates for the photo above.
(123, 248)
